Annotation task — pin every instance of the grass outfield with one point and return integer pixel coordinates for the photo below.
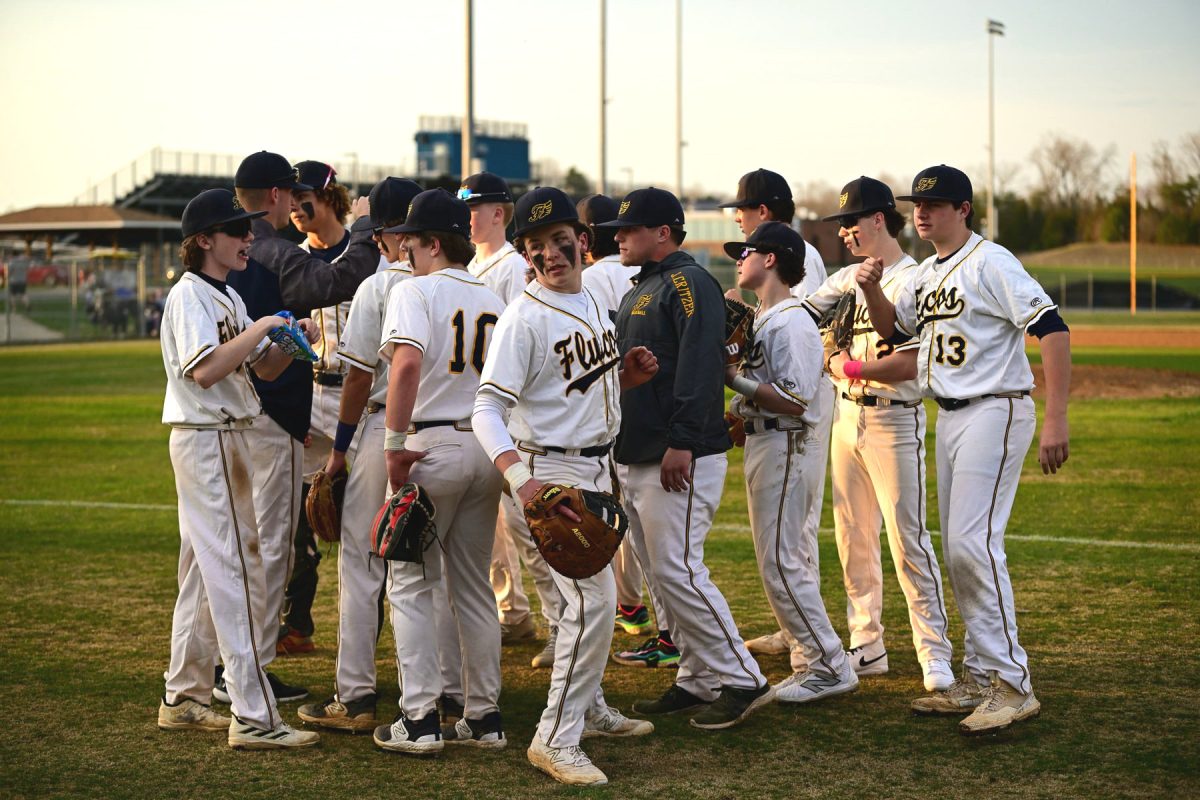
(1104, 557)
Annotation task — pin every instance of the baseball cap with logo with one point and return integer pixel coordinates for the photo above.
(648, 207)
(390, 199)
(596, 209)
(263, 170)
(769, 237)
(758, 188)
(940, 183)
(212, 208)
(316, 174)
(541, 206)
(435, 210)
(862, 196)
(484, 187)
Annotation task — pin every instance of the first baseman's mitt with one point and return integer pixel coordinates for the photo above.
(840, 333)
(404, 528)
(323, 506)
(737, 428)
(576, 549)
(290, 339)
(739, 330)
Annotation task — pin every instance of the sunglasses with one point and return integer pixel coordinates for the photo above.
(237, 229)
(466, 194)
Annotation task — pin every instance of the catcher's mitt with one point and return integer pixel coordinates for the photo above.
(739, 330)
(839, 333)
(290, 339)
(576, 549)
(404, 528)
(323, 506)
(737, 429)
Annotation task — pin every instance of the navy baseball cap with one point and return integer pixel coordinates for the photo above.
(940, 183)
(316, 174)
(596, 209)
(211, 208)
(390, 199)
(484, 187)
(435, 210)
(769, 237)
(862, 196)
(542, 206)
(263, 170)
(758, 188)
(648, 207)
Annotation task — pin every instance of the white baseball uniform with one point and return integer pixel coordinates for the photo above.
(503, 272)
(553, 362)
(971, 312)
(447, 316)
(879, 476)
(219, 561)
(786, 355)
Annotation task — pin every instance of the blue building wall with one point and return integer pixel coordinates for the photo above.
(440, 153)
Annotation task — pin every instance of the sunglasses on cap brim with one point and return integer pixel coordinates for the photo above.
(237, 229)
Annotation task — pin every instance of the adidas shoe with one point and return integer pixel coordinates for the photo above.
(961, 698)
(294, 643)
(421, 737)
(546, 657)
(773, 644)
(732, 706)
(634, 620)
(485, 732)
(1003, 704)
(610, 722)
(657, 651)
(939, 676)
(355, 716)
(188, 715)
(869, 659)
(281, 737)
(676, 698)
(565, 764)
(808, 687)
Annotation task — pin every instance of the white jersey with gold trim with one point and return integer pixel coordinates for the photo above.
(971, 314)
(609, 281)
(503, 272)
(360, 339)
(786, 354)
(197, 318)
(447, 315)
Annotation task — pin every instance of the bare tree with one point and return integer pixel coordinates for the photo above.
(819, 198)
(1189, 145)
(1071, 172)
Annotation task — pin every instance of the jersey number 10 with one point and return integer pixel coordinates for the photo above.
(458, 364)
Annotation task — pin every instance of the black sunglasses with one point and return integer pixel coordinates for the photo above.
(237, 229)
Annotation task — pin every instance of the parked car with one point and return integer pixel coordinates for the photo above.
(49, 275)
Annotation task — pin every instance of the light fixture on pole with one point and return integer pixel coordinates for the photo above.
(994, 29)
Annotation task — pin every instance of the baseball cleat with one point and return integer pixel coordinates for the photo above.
(732, 706)
(772, 644)
(450, 709)
(546, 657)
(281, 737)
(808, 687)
(355, 716)
(188, 715)
(656, 651)
(634, 620)
(868, 659)
(486, 732)
(284, 693)
(565, 764)
(294, 643)
(939, 676)
(610, 722)
(420, 738)
(518, 632)
(961, 698)
(674, 699)
(1003, 704)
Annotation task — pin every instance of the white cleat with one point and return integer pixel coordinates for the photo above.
(565, 764)
(939, 676)
(773, 644)
(869, 659)
(611, 722)
(281, 737)
(1003, 704)
(809, 687)
(188, 715)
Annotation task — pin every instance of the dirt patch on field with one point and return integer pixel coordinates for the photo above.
(1122, 383)
(1165, 337)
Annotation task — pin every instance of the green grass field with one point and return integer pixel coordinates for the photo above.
(1104, 556)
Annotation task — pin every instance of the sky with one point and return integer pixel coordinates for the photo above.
(815, 91)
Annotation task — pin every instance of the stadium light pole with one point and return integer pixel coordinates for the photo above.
(994, 29)
(468, 121)
(602, 181)
(679, 99)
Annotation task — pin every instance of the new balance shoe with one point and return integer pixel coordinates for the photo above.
(486, 732)
(284, 692)
(188, 715)
(610, 722)
(808, 687)
(869, 659)
(565, 764)
(451, 710)
(656, 651)
(961, 698)
(1003, 704)
(281, 737)
(773, 644)
(294, 643)
(634, 620)
(546, 657)
(939, 675)
(355, 716)
(674, 699)
(518, 632)
(421, 737)
(732, 706)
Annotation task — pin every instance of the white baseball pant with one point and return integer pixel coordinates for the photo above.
(512, 604)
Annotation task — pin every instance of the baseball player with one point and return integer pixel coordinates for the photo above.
(764, 196)
(209, 345)
(553, 366)
(435, 338)
(970, 305)
(673, 439)
(360, 578)
(879, 452)
(775, 386)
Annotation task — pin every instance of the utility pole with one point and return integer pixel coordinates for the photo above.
(679, 99)
(468, 122)
(994, 29)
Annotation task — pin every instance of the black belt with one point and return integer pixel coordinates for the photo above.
(329, 378)
(875, 401)
(762, 426)
(587, 452)
(372, 407)
(462, 425)
(954, 403)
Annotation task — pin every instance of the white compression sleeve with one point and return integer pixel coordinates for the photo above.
(488, 420)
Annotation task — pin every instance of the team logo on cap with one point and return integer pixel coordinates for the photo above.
(842, 200)
(236, 205)
(624, 208)
(409, 212)
(925, 184)
(541, 211)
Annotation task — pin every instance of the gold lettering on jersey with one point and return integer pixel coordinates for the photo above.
(639, 308)
(587, 351)
(925, 184)
(685, 293)
(938, 305)
(755, 356)
(541, 211)
(842, 200)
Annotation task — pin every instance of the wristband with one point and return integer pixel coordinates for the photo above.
(853, 370)
(394, 440)
(517, 476)
(744, 386)
(344, 435)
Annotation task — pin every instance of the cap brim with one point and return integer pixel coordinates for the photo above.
(740, 204)
(486, 198)
(734, 249)
(295, 186)
(406, 228)
(863, 213)
(912, 198)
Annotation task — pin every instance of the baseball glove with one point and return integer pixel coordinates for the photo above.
(839, 334)
(739, 330)
(323, 506)
(737, 429)
(290, 339)
(404, 527)
(576, 549)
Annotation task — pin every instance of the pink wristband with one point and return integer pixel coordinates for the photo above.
(853, 369)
